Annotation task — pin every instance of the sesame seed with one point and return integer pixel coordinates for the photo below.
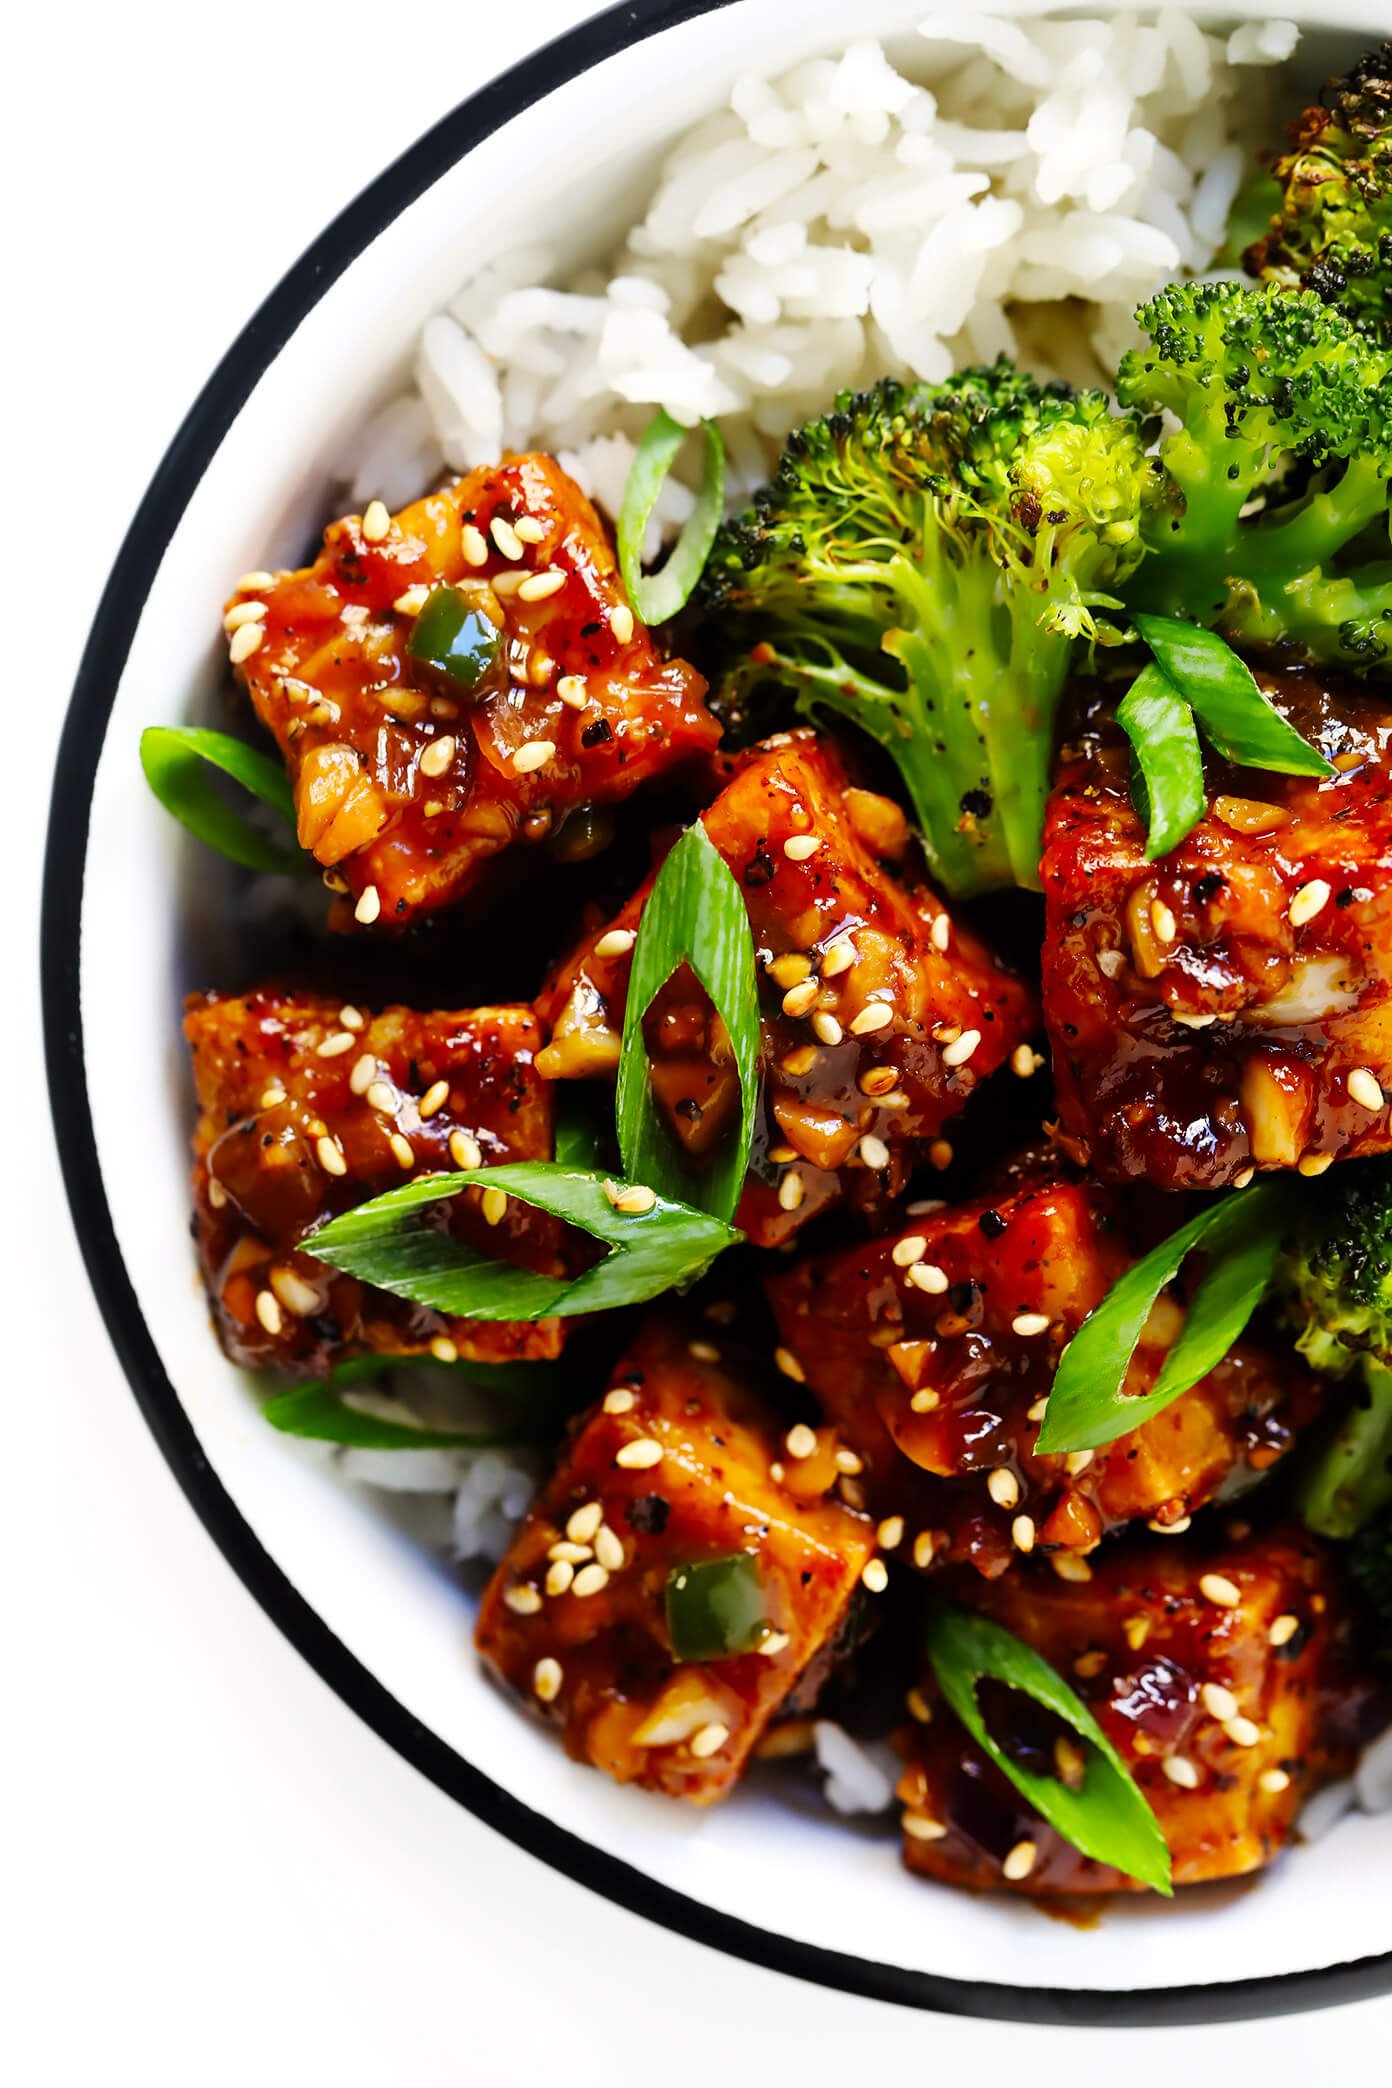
(334, 1046)
(1089, 1665)
(922, 1827)
(912, 1248)
(790, 1191)
(539, 587)
(493, 1204)
(800, 1440)
(1311, 899)
(1364, 1089)
(1037, 1411)
(918, 1706)
(444, 1350)
(848, 1461)
(874, 1152)
(1111, 963)
(608, 1549)
(1274, 1781)
(252, 583)
(465, 1151)
(800, 1000)
(330, 1156)
(703, 1351)
(616, 943)
(874, 1575)
(1003, 1487)
(925, 1401)
(1020, 1861)
(940, 1153)
(245, 641)
(1314, 1164)
(533, 756)
(473, 544)
(876, 1015)
(636, 1200)
(523, 1600)
(1028, 1323)
(436, 758)
(621, 623)
(800, 848)
(559, 1575)
(268, 1311)
(927, 1276)
(369, 906)
(709, 1739)
(1181, 1771)
(1135, 1630)
(957, 1054)
(1217, 1588)
(272, 1097)
(529, 530)
(243, 613)
(890, 1534)
(774, 1642)
(505, 586)
(790, 969)
(1069, 1567)
(364, 1073)
(1162, 921)
(546, 1679)
(1220, 1703)
(294, 1293)
(1283, 1629)
(581, 1526)
(217, 1195)
(352, 1018)
(640, 1455)
(573, 692)
(375, 522)
(789, 1365)
(799, 1062)
(505, 537)
(435, 1097)
(381, 1095)
(838, 956)
(590, 1580)
(1022, 1533)
(1243, 1732)
(1024, 1061)
(403, 1152)
(1077, 1460)
(412, 601)
(826, 1027)
(620, 1401)
(940, 934)
(924, 1545)
(782, 1155)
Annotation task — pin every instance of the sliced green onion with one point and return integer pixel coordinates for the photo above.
(328, 1416)
(1167, 783)
(177, 759)
(1233, 714)
(1241, 1238)
(694, 915)
(1106, 1816)
(716, 1608)
(653, 1248)
(453, 635)
(658, 596)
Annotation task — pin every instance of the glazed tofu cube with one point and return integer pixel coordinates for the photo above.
(880, 1013)
(933, 1351)
(1209, 1670)
(406, 776)
(681, 1576)
(308, 1108)
(1228, 1006)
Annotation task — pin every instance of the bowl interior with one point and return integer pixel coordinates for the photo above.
(569, 167)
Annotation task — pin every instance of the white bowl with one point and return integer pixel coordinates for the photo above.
(567, 138)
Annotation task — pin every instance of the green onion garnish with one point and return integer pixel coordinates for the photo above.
(1167, 782)
(1240, 1235)
(177, 759)
(695, 915)
(325, 1411)
(658, 596)
(453, 635)
(655, 1245)
(1106, 1816)
(716, 1608)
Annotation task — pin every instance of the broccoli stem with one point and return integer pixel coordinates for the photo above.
(1352, 1479)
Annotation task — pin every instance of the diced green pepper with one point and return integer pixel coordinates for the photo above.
(715, 1607)
(454, 635)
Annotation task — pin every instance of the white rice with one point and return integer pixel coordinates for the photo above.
(1019, 187)
(856, 1781)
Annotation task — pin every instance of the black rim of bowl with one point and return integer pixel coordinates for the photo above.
(103, 662)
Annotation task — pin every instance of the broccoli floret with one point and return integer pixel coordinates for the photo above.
(922, 564)
(1331, 228)
(1270, 517)
(1335, 1281)
(1370, 1566)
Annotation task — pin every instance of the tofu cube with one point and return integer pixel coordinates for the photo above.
(308, 1108)
(1229, 1006)
(881, 1014)
(407, 778)
(679, 1471)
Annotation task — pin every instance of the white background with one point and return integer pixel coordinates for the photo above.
(214, 1873)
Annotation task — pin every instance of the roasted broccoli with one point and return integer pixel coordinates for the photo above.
(922, 565)
(1331, 228)
(1335, 1280)
(1270, 515)
(1370, 1564)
